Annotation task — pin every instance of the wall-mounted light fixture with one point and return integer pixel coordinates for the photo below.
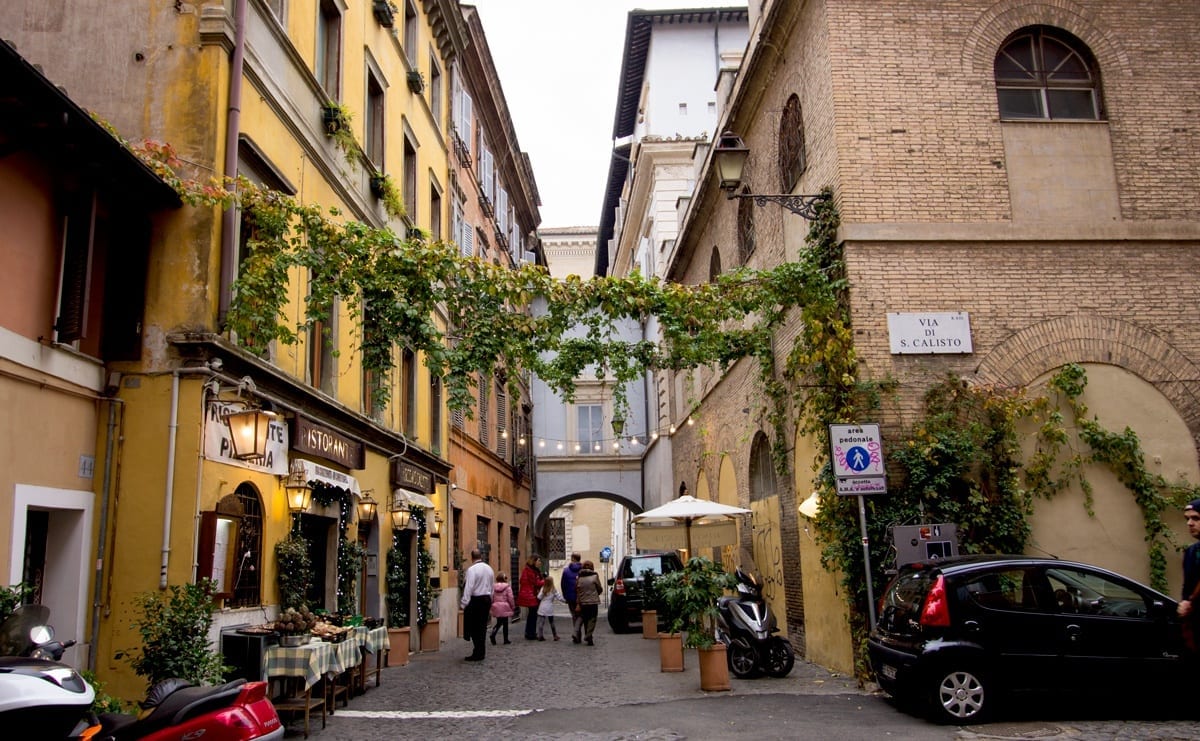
(729, 160)
(367, 507)
(248, 432)
(401, 514)
(299, 493)
(435, 528)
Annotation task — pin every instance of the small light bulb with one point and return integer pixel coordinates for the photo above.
(521, 441)
(560, 446)
(616, 445)
(671, 431)
(691, 421)
(541, 443)
(654, 435)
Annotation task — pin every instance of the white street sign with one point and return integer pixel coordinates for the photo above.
(856, 450)
(929, 332)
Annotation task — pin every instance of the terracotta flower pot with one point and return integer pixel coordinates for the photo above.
(399, 642)
(430, 636)
(670, 652)
(649, 624)
(714, 671)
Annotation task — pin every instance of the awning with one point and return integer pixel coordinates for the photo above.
(412, 497)
(328, 476)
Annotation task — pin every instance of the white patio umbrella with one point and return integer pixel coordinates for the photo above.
(688, 510)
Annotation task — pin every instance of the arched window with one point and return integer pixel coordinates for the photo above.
(792, 157)
(245, 583)
(745, 225)
(714, 266)
(1046, 73)
(762, 472)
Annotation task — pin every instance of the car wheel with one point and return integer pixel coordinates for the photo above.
(960, 695)
(742, 659)
(780, 658)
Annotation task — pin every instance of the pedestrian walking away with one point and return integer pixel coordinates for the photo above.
(569, 575)
(1189, 608)
(504, 604)
(587, 592)
(546, 599)
(477, 603)
(527, 594)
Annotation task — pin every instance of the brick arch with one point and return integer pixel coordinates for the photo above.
(1035, 350)
(997, 22)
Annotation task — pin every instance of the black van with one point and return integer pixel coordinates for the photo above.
(625, 603)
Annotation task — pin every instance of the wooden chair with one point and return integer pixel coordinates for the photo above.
(302, 704)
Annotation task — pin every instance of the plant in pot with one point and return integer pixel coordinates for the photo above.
(174, 627)
(691, 595)
(337, 118)
(384, 188)
(427, 620)
(651, 599)
(399, 640)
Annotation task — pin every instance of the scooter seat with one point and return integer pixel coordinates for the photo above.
(185, 703)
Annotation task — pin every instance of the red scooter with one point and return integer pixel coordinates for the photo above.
(175, 709)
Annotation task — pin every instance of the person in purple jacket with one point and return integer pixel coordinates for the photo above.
(569, 575)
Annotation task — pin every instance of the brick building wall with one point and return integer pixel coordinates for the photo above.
(945, 207)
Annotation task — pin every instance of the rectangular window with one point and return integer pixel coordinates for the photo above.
(514, 552)
(556, 539)
(435, 212)
(484, 417)
(411, 27)
(456, 521)
(321, 345)
(409, 372)
(590, 420)
(373, 123)
(435, 90)
(373, 379)
(329, 48)
(482, 526)
(435, 414)
(410, 179)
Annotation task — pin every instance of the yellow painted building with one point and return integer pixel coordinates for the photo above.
(244, 85)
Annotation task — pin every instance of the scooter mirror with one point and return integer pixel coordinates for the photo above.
(41, 634)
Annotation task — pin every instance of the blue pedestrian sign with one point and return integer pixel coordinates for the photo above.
(605, 554)
(857, 458)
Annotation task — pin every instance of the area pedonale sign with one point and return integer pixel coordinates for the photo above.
(857, 455)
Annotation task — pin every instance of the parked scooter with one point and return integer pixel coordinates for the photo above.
(746, 627)
(177, 709)
(40, 697)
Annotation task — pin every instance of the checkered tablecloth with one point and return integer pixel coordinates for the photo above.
(310, 661)
(345, 655)
(376, 640)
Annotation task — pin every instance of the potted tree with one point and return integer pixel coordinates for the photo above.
(650, 604)
(399, 631)
(428, 623)
(692, 595)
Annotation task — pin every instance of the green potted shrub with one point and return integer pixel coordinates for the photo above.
(396, 579)
(691, 595)
(652, 615)
(293, 570)
(174, 628)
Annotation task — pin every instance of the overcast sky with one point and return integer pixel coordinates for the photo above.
(559, 61)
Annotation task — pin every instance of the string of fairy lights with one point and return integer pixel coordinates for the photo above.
(594, 445)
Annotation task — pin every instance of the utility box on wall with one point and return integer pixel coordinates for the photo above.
(924, 542)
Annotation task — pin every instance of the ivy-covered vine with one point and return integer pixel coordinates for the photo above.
(426, 594)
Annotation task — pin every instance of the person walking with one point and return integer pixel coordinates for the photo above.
(1188, 608)
(504, 604)
(527, 594)
(546, 599)
(587, 593)
(477, 603)
(569, 575)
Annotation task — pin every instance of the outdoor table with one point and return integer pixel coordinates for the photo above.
(373, 641)
(308, 663)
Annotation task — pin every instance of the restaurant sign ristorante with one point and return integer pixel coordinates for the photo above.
(326, 443)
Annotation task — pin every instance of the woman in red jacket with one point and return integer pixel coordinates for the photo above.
(531, 582)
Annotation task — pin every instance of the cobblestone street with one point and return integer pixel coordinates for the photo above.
(615, 690)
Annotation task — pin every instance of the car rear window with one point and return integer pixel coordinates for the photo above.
(634, 567)
(900, 607)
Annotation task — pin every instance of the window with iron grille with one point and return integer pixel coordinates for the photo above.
(556, 539)
(245, 505)
(1046, 73)
(762, 473)
(792, 157)
(483, 526)
(501, 420)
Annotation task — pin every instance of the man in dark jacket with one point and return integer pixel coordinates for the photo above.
(569, 575)
(1188, 609)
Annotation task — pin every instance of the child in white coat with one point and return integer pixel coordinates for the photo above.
(546, 599)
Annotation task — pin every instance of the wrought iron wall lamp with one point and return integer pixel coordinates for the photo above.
(729, 159)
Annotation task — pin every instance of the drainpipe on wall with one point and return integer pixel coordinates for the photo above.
(229, 251)
(105, 490)
(169, 493)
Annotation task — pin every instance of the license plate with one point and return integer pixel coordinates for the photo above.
(888, 671)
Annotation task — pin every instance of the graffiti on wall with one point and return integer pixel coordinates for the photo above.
(767, 550)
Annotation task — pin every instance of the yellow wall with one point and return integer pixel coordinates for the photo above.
(826, 614)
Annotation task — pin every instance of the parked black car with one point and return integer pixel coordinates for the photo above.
(625, 601)
(963, 635)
